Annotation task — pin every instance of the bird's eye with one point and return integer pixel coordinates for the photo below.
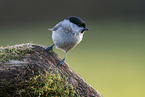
(83, 25)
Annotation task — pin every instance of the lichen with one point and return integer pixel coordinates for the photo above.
(14, 52)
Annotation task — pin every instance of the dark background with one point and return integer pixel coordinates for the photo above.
(13, 11)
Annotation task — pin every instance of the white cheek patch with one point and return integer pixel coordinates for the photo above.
(76, 29)
(74, 26)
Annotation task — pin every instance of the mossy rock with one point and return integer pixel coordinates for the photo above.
(27, 70)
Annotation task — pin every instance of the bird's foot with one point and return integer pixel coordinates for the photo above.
(62, 62)
(49, 48)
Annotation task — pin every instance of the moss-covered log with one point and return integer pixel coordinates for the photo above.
(27, 70)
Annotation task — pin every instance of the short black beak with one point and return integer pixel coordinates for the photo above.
(86, 29)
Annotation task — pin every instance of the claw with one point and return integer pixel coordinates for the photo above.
(62, 62)
(49, 48)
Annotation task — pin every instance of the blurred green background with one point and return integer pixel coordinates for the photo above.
(111, 56)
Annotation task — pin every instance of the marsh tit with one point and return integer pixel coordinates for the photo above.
(67, 34)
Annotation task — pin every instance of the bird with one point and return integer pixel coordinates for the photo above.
(67, 34)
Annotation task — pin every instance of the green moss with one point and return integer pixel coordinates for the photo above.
(44, 85)
(14, 52)
(47, 85)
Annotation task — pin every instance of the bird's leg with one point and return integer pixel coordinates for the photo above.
(49, 48)
(63, 60)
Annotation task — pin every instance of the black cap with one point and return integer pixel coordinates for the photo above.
(78, 21)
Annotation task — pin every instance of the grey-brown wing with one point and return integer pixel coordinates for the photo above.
(57, 26)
